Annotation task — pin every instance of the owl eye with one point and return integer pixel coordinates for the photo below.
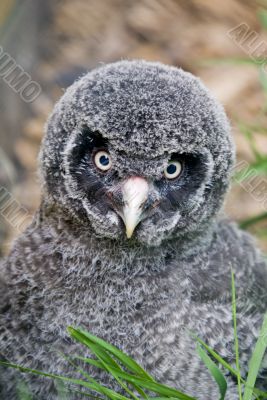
(102, 160)
(173, 170)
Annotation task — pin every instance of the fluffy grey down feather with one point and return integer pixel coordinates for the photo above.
(74, 265)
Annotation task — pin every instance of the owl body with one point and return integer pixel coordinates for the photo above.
(155, 128)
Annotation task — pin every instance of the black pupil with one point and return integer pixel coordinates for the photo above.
(171, 169)
(104, 160)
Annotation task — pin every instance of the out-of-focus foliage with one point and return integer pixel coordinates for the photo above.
(257, 171)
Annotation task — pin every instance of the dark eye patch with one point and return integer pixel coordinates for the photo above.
(178, 191)
(86, 143)
(82, 166)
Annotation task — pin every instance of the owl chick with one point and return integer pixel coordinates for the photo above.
(130, 242)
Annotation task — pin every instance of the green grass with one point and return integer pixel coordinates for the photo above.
(139, 384)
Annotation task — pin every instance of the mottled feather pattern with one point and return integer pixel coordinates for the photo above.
(74, 265)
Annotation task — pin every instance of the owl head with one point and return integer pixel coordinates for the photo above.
(138, 152)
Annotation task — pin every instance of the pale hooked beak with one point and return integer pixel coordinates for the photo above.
(135, 193)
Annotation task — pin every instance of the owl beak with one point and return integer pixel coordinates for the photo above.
(135, 193)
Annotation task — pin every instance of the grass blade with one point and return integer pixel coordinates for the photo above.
(248, 133)
(227, 61)
(86, 394)
(108, 364)
(145, 384)
(253, 220)
(236, 336)
(88, 339)
(92, 386)
(117, 371)
(262, 76)
(214, 370)
(141, 379)
(108, 369)
(256, 360)
(227, 366)
(150, 385)
(217, 357)
(263, 18)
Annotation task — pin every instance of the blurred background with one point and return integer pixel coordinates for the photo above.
(57, 41)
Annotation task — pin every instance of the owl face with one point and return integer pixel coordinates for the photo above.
(126, 196)
(139, 150)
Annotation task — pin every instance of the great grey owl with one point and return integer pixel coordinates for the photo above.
(130, 241)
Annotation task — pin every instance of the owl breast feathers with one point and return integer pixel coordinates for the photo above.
(130, 241)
